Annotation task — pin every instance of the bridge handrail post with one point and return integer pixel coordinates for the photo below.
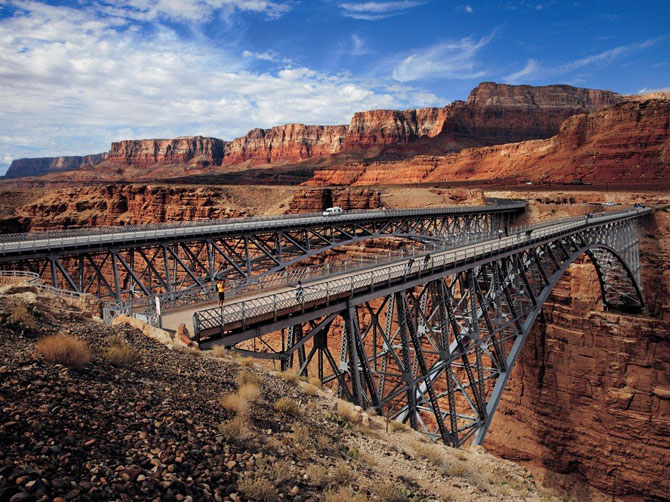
(274, 306)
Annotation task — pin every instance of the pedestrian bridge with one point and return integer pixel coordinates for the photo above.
(431, 340)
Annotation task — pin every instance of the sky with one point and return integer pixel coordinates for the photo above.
(75, 76)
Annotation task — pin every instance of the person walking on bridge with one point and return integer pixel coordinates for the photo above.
(221, 290)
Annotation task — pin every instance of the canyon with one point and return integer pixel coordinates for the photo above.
(590, 396)
(493, 114)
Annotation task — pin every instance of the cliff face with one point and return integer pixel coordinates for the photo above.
(492, 115)
(195, 150)
(291, 142)
(590, 395)
(630, 141)
(45, 165)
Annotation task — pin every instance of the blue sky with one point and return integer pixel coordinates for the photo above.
(75, 76)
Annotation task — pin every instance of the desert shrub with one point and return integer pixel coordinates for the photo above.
(249, 392)
(64, 349)
(309, 389)
(351, 452)
(388, 491)
(20, 314)
(245, 377)
(343, 494)
(220, 351)
(235, 403)
(323, 443)
(278, 472)
(334, 417)
(347, 411)
(236, 429)
(290, 376)
(317, 474)
(396, 426)
(288, 406)
(258, 488)
(428, 451)
(300, 434)
(248, 361)
(120, 352)
(342, 474)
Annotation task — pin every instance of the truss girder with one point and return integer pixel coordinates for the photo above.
(178, 266)
(437, 355)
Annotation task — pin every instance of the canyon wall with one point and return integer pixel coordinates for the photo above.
(44, 165)
(196, 150)
(290, 142)
(628, 142)
(493, 114)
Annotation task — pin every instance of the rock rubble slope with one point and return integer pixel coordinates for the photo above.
(157, 430)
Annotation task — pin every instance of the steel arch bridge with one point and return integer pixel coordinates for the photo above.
(432, 342)
(174, 261)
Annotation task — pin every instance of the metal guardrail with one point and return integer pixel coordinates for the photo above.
(113, 235)
(245, 310)
(34, 279)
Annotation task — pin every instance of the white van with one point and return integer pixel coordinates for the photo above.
(332, 211)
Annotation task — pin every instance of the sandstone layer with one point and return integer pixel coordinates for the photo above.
(196, 150)
(45, 165)
(290, 142)
(628, 142)
(492, 115)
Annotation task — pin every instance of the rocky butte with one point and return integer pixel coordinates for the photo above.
(45, 165)
(493, 114)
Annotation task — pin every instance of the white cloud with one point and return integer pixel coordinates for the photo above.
(527, 71)
(452, 60)
(536, 71)
(644, 90)
(469, 9)
(374, 11)
(74, 80)
(188, 10)
(358, 46)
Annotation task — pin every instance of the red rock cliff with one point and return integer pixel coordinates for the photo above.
(288, 142)
(183, 151)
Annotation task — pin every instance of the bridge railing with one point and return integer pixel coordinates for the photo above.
(245, 310)
(102, 235)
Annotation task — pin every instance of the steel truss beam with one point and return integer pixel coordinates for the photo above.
(191, 265)
(437, 354)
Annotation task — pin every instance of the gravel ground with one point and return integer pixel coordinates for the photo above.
(150, 431)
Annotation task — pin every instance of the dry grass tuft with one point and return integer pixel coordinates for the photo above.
(249, 392)
(220, 351)
(300, 434)
(21, 314)
(396, 426)
(237, 429)
(258, 488)
(314, 381)
(317, 474)
(428, 451)
(290, 376)
(245, 377)
(64, 349)
(248, 361)
(309, 389)
(346, 411)
(388, 491)
(343, 494)
(323, 444)
(342, 474)
(236, 403)
(288, 406)
(120, 352)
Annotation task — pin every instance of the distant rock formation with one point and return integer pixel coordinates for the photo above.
(196, 150)
(292, 142)
(45, 165)
(630, 141)
(493, 114)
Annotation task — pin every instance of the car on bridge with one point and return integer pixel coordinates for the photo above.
(332, 211)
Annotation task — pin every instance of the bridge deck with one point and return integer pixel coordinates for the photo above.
(17, 245)
(259, 313)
